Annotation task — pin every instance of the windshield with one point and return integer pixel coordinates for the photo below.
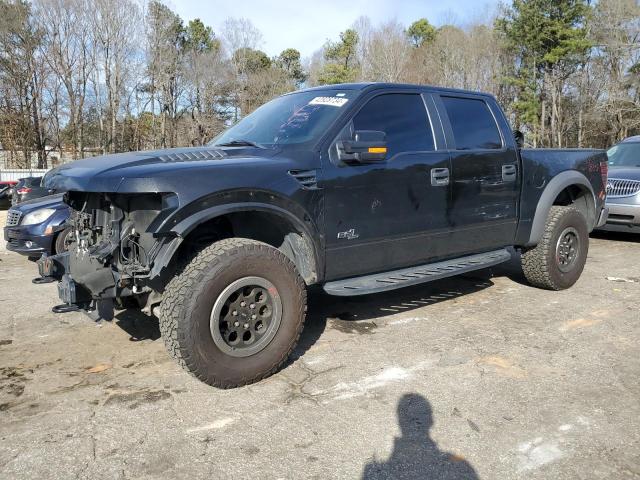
(624, 155)
(291, 119)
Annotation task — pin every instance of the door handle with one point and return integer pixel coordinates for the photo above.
(439, 177)
(509, 173)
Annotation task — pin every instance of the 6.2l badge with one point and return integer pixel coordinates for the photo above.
(348, 235)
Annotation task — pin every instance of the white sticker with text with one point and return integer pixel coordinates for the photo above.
(331, 101)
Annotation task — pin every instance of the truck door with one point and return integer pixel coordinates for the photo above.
(387, 215)
(485, 176)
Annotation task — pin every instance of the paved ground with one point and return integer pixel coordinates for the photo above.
(479, 377)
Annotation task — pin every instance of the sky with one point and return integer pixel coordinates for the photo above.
(307, 25)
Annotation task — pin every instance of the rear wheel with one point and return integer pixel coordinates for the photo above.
(235, 313)
(558, 260)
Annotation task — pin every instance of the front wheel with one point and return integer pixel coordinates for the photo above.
(558, 260)
(235, 313)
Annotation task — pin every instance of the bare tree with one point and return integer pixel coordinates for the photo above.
(116, 39)
(165, 40)
(67, 51)
(616, 33)
(23, 77)
(112, 75)
(240, 39)
(386, 53)
(205, 81)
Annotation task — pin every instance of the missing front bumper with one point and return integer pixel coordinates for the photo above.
(57, 267)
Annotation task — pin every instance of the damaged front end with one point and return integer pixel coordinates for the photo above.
(113, 248)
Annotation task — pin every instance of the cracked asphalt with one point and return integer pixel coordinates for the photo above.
(473, 377)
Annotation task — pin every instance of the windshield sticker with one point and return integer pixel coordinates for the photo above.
(331, 101)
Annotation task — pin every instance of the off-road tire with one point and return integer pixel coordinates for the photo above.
(187, 303)
(61, 244)
(540, 264)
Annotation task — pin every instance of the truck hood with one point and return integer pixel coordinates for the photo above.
(150, 171)
(625, 173)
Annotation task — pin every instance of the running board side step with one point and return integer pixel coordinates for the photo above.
(380, 282)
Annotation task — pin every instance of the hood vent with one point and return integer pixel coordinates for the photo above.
(306, 178)
(195, 155)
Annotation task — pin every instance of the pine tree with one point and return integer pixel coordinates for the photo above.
(341, 58)
(548, 39)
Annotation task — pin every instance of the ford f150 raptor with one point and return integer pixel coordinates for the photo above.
(359, 188)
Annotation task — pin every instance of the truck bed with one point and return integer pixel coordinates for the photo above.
(541, 165)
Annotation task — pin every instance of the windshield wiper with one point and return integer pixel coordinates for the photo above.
(239, 143)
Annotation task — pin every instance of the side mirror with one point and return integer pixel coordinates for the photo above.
(367, 146)
(519, 136)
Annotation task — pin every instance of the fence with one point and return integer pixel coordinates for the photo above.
(15, 164)
(17, 173)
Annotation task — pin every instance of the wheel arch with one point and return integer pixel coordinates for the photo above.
(567, 188)
(271, 224)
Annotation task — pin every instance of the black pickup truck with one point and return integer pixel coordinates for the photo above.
(359, 188)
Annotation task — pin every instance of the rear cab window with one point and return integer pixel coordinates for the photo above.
(474, 126)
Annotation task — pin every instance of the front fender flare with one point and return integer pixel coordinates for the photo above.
(180, 230)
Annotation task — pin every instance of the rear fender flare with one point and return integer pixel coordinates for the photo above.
(548, 197)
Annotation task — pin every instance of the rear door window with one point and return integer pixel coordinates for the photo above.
(403, 117)
(472, 123)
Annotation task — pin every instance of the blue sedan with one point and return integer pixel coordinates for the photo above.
(38, 226)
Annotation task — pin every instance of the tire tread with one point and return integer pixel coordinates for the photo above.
(173, 308)
(535, 262)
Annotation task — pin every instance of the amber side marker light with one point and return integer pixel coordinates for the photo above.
(377, 149)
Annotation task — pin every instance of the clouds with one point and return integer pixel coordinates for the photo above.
(307, 25)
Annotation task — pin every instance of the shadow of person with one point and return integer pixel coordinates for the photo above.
(415, 455)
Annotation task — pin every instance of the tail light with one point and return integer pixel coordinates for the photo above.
(604, 172)
(22, 191)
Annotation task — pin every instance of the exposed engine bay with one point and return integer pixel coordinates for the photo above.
(111, 250)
